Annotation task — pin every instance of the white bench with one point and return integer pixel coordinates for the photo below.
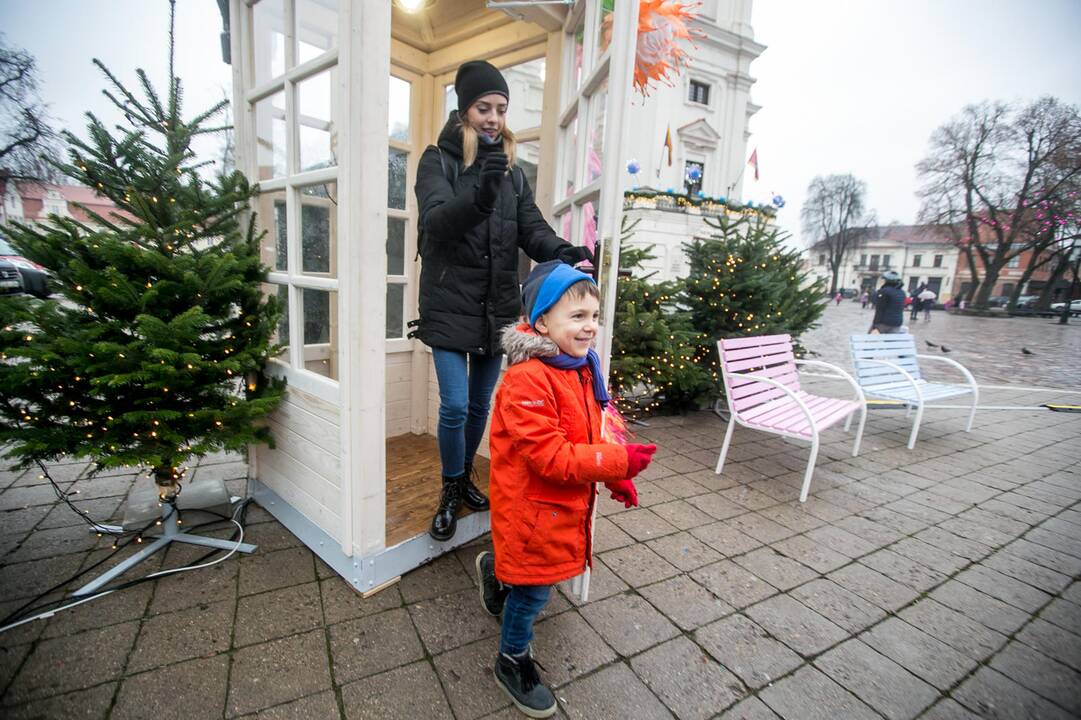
(770, 398)
(888, 366)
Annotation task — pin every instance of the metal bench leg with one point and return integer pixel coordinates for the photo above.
(972, 412)
(848, 423)
(727, 441)
(859, 430)
(810, 468)
(915, 427)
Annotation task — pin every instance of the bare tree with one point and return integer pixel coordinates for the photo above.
(994, 166)
(834, 215)
(25, 135)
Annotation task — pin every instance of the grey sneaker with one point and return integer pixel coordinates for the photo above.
(492, 592)
(518, 677)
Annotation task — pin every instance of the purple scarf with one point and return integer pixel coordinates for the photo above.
(563, 361)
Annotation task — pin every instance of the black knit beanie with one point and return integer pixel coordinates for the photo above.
(476, 79)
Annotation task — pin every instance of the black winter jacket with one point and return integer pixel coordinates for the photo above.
(889, 306)
(469, 279)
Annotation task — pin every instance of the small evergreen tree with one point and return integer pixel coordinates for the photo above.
(653, 345)
(155, 352)
(744, 282)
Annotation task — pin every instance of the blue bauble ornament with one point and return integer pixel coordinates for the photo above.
(750, 203)
(633, 167)
(778, 201)
(701, 194)
(722, 199)
(694, 174)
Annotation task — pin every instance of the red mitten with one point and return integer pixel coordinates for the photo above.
(638, 458)
(623, 491)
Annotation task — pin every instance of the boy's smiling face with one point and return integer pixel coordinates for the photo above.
(571, 323)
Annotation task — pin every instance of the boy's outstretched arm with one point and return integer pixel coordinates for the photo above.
(528, 406)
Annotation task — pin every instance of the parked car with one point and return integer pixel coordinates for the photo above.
(849, 293)
(1075, 306)
(35, 278)
(1026, 302)
(10, 281)
(998, 300)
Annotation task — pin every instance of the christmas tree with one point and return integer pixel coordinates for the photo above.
(653, 344)
(743, 282)
(155, 352)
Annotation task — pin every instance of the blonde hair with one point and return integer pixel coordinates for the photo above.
(470, 142)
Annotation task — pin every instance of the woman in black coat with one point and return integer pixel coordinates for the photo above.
(474, 216)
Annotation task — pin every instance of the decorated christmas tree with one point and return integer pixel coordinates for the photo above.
(743, 281)
(154, 351)
(653, 345)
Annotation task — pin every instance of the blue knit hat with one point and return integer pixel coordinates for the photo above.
(545, 285)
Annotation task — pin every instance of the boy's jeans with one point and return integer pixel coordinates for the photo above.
(524, 603)
(465, 394)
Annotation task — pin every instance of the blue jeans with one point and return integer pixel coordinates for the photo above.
(524, 603)
(465, 393)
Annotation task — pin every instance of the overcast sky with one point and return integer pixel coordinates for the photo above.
(845, 86)
(858, 86)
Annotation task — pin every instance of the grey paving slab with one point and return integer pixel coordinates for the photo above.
(688, 681)
(812, 553)
(873, 586)
(876, 680)
(191, 690)
(408, 692)
(947, 709)
(992, 695)
(685, 602)
(342, 602)
(608, 536)
(1045, 579)
(1053, 641)
(842, 607)
(808, 694)
(628, 623)
(750, 709)
(1063, 613)
(1045, 677)
(990, 611)
(735, 585)
(278, 613)
(603, 583)
(320, 706)
(1005, 588)
(372, 644)
(91, 704)
(466, 676)
(273, 570)
(278, 671)
(937, 560)
(957, 630)
(452, 620)
(725, 539)
(182, 635)
(638, 565)
(684, 551)
(1054, 540)
(796, 625)
(441, 576)
(681, 514)
(643, 524)
(614, 693)
(1046, 557)
(904, 570)
(569, 648)
(747, 649)
(779, 571)
(919, 653)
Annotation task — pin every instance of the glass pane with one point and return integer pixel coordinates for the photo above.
(526, 83)
(604, 32)
(270, 136)
(320, 309)
(596, 134)
(269, 41)
(398, 117)
(395, 246)
(319, 229)
(578, 50)
(317, 27)
(395, 310)
(317, 114)
(281, 334)
(563, 222)
(527, 157)
(450, 101)
(396, 168)
(270, 217)
(589, 226)
(570, 154)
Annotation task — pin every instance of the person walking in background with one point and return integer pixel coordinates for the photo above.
(838, 297)
(889, 306)
(927, 300)
(914, 304)
(476, 211)
(864, 298)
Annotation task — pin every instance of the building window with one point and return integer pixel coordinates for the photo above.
(874, 262)
(697, 171)
(698, 92)
(916, 260)
(1014, 262)
(885, 261)
(863, 260)
(821, 259)
(938, 261)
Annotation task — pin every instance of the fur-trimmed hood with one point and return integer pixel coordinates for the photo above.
(522, 343)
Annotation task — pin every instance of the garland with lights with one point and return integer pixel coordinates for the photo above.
(644, 197)
(742, 282)
(155, 354)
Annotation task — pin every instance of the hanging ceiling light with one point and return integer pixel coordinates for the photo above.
(413, 6)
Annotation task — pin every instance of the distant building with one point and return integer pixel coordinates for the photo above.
(1010, 275)
(33, 202)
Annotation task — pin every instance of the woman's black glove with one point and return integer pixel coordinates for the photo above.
(574, 254)
(491, 177)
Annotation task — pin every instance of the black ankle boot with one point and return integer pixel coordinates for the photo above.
(472, 497)
(445, 521)
(519, 679)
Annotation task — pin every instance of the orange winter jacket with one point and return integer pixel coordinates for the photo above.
(546, 455)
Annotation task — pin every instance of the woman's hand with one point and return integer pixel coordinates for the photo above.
(491, 176)
(574, 254)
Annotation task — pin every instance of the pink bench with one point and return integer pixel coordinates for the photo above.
(761, 384)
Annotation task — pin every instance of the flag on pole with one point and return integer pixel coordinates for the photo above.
(668, 143)
(753, 162)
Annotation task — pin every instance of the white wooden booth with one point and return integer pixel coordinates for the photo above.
(334, 102)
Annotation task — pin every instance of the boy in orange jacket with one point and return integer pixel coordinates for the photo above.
(547, 454)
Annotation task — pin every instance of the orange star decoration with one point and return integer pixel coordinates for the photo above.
(662, 24)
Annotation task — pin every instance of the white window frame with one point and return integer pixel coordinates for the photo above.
(710, 87)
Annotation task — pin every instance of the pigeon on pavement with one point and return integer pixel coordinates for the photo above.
(930, 344)
(944, 349)
(1026, 351)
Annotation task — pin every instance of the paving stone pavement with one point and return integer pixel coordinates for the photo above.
(941, 582)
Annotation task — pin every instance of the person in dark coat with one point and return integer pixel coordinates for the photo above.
(889, 305)
(474, 216)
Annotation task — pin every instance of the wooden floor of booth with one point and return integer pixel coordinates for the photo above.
(414, 479)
